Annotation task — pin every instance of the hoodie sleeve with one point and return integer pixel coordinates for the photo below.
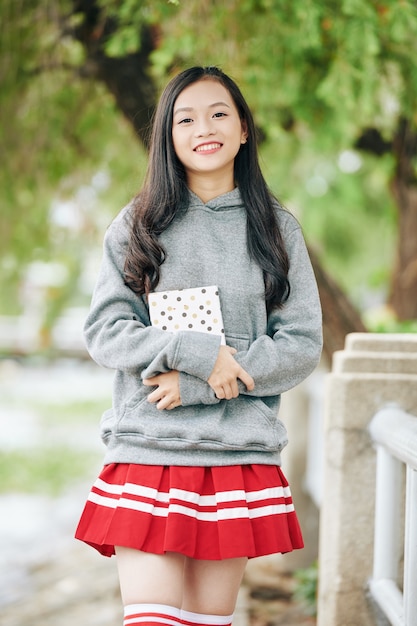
(196, 391)
(291, 349)
(117, 330)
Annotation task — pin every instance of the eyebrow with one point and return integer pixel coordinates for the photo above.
(211, 106)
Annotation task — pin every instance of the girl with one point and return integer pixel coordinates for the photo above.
(192, 485)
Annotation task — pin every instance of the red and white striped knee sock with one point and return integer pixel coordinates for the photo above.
(151, 615)
(199, 619)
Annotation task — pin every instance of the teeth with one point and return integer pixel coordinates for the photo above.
(208, 146)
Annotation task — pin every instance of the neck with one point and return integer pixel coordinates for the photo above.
(207, 188)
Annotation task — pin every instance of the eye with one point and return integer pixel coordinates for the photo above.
(186, 120)
(220, 114)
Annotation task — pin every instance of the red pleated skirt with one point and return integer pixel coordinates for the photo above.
(201, 512)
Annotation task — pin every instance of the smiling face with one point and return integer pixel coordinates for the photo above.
(207, 133)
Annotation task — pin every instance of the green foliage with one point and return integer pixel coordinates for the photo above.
(347, 216)
(131, 16)
(314, 72)
(58, 130)
(327, 65)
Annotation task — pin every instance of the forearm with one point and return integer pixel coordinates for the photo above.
(277, 366)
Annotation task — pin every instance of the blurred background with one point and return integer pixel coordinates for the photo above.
(333, 90)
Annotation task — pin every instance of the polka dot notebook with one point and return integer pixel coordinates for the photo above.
(195, 309)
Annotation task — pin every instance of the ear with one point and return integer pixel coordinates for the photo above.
(244, 134)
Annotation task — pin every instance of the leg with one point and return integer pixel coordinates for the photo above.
(211, 587)
(151, 586)
(150, 578)
(154, 587)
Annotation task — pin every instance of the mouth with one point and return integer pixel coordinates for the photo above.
(208, 147)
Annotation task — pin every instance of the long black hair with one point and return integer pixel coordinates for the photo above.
(165, 192)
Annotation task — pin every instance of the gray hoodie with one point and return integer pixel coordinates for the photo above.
(206, 245)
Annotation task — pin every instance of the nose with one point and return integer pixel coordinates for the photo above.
(204, 128)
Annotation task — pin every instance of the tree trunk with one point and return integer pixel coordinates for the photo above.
(403, 296)
(403, 293)
(339, 315)
(127, 77)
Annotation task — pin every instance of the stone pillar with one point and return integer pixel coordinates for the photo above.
(372, 370)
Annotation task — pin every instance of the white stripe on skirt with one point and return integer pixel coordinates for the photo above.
(185, 498)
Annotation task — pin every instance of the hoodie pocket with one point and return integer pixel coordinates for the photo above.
(278, 429)
(114, 421)
(239, 342)
(107, 424)
(242, 424)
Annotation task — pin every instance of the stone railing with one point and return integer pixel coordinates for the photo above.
(371, 372)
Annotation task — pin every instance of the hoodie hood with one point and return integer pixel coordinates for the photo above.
(225, 202)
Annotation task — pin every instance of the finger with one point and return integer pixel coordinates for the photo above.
(220, 394)
(155, 396)
(235, 389)
(150, 382)
(167, 404)
(231, 390)
(163, 403)
(246, 379)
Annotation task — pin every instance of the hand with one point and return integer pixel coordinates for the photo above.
(167, 394)
(226, 372)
